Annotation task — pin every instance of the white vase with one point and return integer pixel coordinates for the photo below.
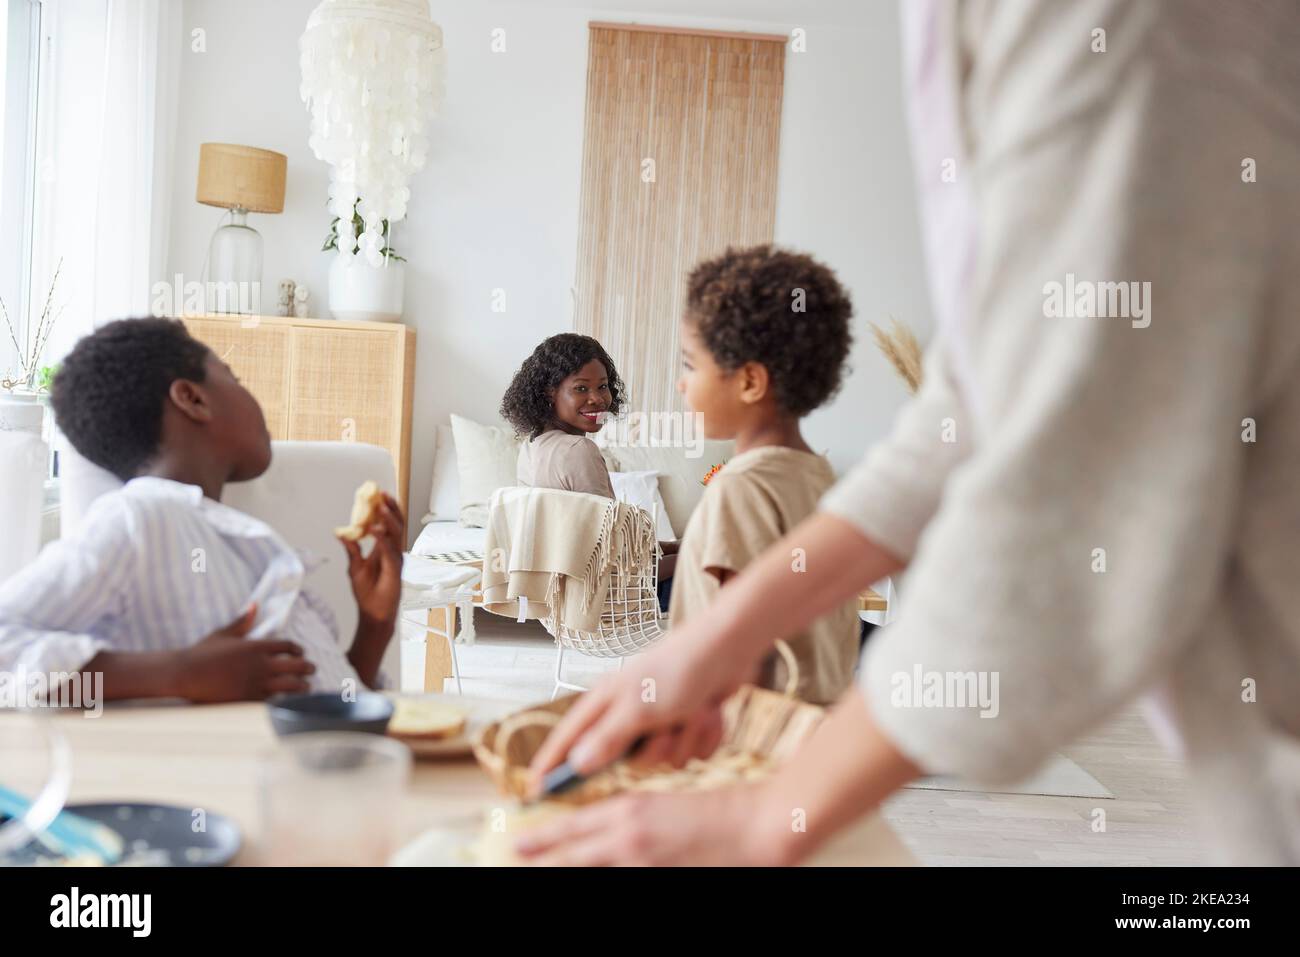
(360, 292)
(22, 412)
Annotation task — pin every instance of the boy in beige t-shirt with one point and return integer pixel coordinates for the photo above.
(764, 340)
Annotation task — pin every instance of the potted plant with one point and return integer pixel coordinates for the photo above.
(24, 393)
(367, 278)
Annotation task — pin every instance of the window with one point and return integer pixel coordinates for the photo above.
(20, 35)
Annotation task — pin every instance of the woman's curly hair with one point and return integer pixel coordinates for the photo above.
(782, 309)
(528, 404)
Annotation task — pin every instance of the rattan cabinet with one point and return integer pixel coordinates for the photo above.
(322, 380)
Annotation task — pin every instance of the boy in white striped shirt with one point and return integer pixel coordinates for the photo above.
(129, 597)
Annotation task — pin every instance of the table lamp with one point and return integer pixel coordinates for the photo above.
(242, 179)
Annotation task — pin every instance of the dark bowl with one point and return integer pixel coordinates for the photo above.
(329, 711)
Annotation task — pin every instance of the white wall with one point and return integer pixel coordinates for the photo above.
(497, 206)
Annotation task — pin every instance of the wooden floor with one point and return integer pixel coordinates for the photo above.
(1149, 821)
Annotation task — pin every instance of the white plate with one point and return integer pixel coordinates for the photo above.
(480, 712)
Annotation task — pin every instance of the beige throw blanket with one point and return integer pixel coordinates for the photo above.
(558, 550)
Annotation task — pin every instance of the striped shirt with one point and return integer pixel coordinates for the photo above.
(155, 566)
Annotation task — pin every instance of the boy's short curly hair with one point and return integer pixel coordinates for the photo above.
(779, 308)
(527, 404)
(110, 390)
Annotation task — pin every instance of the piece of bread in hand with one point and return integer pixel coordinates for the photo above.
(365, 505)
(425, 719)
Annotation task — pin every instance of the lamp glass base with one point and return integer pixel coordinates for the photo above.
(235, 269)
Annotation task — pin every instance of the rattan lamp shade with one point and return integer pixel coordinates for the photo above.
(241, 177)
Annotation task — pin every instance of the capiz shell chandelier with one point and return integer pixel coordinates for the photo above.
(372, 79)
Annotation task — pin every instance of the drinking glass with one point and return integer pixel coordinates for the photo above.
(36, 763)
(332, 798)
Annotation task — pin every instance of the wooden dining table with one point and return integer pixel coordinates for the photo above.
(207, 756)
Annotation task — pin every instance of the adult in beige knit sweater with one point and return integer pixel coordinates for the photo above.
(1096, 493)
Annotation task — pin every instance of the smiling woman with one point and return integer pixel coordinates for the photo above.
(561, 394)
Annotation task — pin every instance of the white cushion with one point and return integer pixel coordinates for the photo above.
(439, 538)
(679, 476)
(444, 496)
(487, 458)
(642, 490)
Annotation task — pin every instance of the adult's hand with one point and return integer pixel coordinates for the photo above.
(846, 768)
(671, 695)
(725, 827)
(673, 692)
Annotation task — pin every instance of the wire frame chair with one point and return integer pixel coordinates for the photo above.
(630, 621)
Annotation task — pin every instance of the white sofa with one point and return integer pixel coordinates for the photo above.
(306, 492)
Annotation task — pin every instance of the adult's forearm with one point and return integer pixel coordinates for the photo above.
(822, 563)
(844, 770)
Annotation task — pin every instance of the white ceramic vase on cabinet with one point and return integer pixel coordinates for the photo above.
(360, 292)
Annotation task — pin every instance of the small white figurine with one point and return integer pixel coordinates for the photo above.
(301, 294)
(284, 304)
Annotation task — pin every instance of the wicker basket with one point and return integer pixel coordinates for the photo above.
(766, 725)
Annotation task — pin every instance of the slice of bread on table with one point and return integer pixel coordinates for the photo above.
(425, 720)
